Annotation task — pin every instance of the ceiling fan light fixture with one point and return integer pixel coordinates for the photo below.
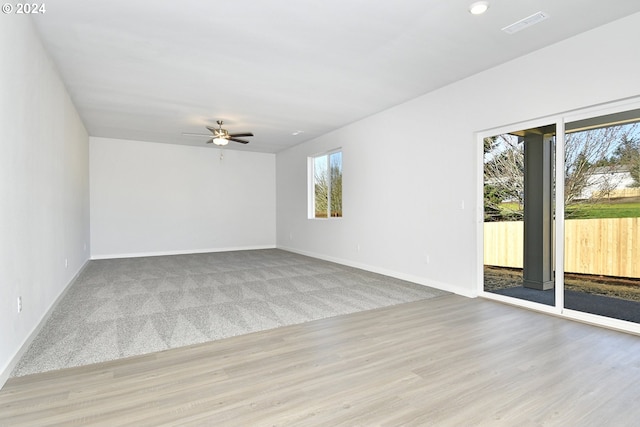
(479, 7)
(221, 137)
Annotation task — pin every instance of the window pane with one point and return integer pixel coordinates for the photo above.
(518, 212)
(320, 187)
(336, 184)
(602, 218)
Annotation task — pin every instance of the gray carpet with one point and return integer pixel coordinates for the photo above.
(126, 307)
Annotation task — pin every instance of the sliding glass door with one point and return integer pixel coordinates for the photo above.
(589, 260)
(602, 216)
(519, 209)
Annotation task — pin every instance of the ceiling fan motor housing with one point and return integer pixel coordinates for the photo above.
(221, 133)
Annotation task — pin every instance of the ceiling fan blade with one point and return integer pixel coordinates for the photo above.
(233, 135)
(210, 141)
(212, 129)
(241, 141)
(195, 134)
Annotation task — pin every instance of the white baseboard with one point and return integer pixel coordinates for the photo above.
(180, 252)
(391, 273)
(6, 373)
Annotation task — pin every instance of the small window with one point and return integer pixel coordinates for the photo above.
(325, 183)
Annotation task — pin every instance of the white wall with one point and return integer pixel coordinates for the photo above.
(410, 200)
(151, 199)
(44, 187)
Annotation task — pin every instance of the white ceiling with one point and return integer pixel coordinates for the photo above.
(152, 69)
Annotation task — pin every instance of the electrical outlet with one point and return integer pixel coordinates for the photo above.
(19, 305)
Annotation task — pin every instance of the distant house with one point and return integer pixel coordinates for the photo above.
(607, 181)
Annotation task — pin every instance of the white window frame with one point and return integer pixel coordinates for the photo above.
(311, 204)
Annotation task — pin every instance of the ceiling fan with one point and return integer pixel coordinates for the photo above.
(222, 136)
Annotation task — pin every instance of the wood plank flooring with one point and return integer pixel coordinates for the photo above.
(447, 361)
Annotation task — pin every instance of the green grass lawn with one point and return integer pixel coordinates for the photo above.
(603, 210)
(615, 209)
(511, 206)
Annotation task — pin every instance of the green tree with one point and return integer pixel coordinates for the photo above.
(336, 188)
(328, 185)
(628, 154)
(321, 189)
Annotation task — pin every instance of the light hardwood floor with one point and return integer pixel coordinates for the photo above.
(447, 361)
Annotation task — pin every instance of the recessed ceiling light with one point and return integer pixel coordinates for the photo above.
(297, 132)
(479, 7)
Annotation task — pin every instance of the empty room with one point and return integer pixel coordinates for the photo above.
(320, 213)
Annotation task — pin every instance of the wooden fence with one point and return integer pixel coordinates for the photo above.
(622, 192)
(609, 247)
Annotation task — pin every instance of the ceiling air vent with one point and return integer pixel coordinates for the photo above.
(525, 22)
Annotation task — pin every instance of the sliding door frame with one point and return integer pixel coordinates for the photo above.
(559, 230)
